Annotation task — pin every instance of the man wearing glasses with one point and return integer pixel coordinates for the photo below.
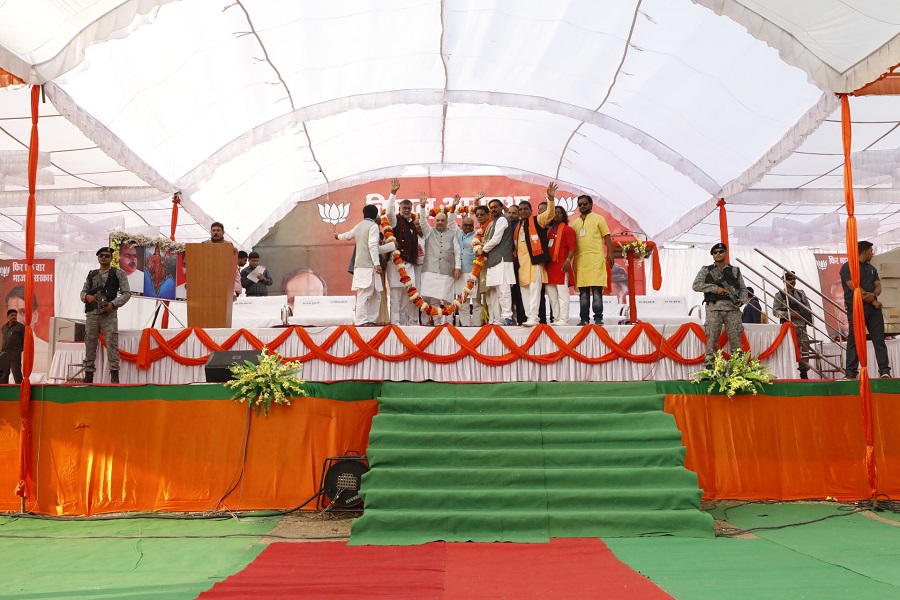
(724, 291)
(593, 252)
(792, 305)
(105, 291)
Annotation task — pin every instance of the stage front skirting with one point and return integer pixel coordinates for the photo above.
(176, 448)
(487, 354)
(102, 449)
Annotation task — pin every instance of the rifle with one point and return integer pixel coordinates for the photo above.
(97, 293)
(731, 292)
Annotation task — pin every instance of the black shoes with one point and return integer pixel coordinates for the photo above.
(114, 377)
(88, 377)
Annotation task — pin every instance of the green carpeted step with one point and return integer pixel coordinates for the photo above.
(536, 498)
(525, 462)
(415, 440)
(523, 422)
(586, 478)
(518, 389)
(419, 526)
(633, 457)
(480, 405)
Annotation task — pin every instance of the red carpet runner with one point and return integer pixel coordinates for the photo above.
(564, 568)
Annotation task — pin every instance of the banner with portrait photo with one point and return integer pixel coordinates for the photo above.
(152, 265)
(12, 291)
(829, 266)
(304, 259)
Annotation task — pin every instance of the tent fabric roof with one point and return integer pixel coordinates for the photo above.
(654, 107)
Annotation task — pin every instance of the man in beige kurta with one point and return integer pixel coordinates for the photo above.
(532, 251)
(592, 254)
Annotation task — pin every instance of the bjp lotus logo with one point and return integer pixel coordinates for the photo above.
(568, 203)
(334, 213)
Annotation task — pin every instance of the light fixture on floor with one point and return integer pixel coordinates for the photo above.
(341, 478)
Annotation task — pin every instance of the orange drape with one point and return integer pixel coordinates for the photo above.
(180, 455)
(785, 448)
(859, 323)
(154, 347)
(7, 79)
(23, 484)
(723, 228)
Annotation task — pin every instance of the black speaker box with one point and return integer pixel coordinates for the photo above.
(217, 367)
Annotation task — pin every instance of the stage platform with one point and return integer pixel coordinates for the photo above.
(646, 351)
(102, 449)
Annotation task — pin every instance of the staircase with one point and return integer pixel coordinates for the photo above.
(525, 462)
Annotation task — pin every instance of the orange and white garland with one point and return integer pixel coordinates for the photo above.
(460, 210)
(411, 290)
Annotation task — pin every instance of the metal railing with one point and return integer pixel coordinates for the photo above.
(815, 323)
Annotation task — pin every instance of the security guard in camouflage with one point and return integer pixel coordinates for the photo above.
(724, 291)
(105, 291)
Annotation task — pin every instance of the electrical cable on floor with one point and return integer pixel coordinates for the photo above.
(217, 515)
(738, 532)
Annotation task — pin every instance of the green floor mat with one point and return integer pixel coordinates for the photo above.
(853, 541)
(738, 569)
(849, 556)
(125, 558)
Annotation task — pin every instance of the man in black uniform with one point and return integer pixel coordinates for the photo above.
(11, 350)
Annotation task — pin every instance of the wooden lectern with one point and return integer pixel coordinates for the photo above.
(210, 284)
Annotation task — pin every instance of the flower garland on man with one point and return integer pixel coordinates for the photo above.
(400, 228)
(402, 267)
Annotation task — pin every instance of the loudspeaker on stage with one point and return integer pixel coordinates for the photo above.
(217, 367)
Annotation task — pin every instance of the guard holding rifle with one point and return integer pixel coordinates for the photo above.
(105, 291)
(724, 291)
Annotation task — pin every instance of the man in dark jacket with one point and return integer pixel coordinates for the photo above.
(13, 342)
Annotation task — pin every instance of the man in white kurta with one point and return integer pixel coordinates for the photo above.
(441, 268)
(366, 267)
(500, 270)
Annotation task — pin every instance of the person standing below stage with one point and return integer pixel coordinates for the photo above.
(753, 313)
(105, 290)
(366, 266)
(793, 305)
(406, 233)
(498, 245)
(13, 343)
(532, 252)
(258, 284)
(724, 292)
(870, 287)
(441, 268)
(593, 252)
(217, 236)
(561, 242)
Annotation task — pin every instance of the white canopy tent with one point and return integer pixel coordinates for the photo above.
(657, 108)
